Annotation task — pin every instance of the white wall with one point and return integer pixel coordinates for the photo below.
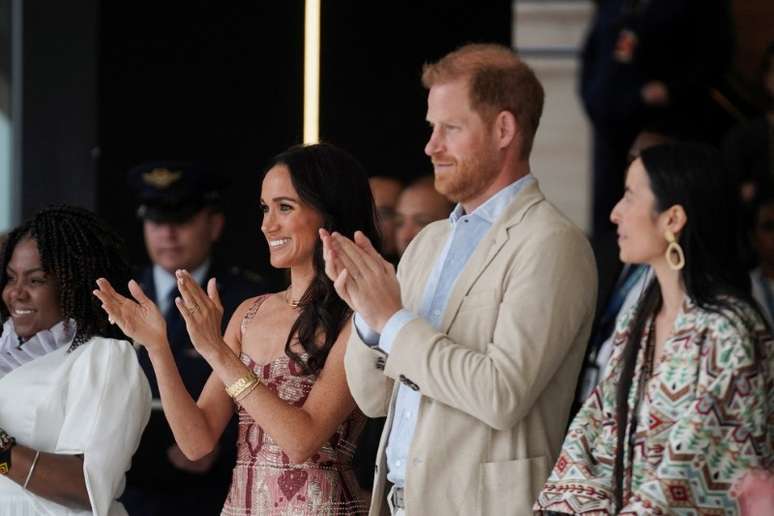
(548, 34)
(6, 191)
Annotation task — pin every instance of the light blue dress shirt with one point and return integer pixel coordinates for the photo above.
(467, 231)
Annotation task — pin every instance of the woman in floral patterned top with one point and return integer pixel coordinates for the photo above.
(282, 357)
(686, 404)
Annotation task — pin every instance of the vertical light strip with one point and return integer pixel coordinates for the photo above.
(312, 71)
(17, 103)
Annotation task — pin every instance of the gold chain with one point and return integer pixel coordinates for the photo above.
(293, 303)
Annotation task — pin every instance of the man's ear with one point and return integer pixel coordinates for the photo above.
(506, 128)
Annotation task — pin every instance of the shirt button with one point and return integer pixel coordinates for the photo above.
(407, 415)
(397, 463)
(436, 312)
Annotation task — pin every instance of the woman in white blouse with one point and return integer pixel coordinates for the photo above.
(73, 399)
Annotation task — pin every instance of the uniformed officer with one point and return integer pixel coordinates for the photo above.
(179, 204)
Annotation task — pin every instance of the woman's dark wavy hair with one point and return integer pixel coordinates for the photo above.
(335, 184)
(692, 176)
(76, 247)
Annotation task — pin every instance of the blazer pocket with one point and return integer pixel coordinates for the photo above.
(511, 487)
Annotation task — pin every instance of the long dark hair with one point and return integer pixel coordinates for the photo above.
(77, 248)
(335, 184)
(692, 176)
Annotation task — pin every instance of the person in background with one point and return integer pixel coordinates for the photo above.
(762, 239)
(749, 147)
(645, 62)
(180, 209)
(385, 191)
(685, 408)
(418, 205)
(73, 398)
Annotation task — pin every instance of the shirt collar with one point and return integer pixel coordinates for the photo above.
(495, 205)
(166, 282)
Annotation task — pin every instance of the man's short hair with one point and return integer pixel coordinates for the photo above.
(499, 81)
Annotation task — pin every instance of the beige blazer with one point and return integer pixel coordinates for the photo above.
(498, 379)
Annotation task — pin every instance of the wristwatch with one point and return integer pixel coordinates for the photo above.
(6, 444)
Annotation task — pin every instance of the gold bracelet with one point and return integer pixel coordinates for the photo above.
(241, 384)
(244, 394)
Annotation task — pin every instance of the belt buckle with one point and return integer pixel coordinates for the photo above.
(397, 498)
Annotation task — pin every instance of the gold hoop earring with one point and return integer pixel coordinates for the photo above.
(674, 250)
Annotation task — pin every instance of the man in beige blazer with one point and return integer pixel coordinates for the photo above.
(485, 325)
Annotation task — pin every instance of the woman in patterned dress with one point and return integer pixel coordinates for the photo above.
(298, 423)
(686, 404)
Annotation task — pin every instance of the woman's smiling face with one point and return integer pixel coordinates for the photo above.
(30, 295)
(289, 224)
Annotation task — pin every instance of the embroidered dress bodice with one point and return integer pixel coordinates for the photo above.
(265, 482)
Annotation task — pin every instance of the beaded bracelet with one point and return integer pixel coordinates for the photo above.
(6, 444)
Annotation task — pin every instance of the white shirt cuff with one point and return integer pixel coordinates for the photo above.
(366, 334)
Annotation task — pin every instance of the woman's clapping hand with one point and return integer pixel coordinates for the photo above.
(202, 312)
(139, 318)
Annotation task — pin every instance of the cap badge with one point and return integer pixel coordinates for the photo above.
(161, 177)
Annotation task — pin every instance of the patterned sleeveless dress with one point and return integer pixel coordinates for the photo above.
(265, 482)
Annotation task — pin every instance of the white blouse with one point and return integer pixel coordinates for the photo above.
(95, 402)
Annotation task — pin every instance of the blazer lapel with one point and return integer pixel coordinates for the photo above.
(488, 248)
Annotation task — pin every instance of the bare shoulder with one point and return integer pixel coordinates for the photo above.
(239, 319)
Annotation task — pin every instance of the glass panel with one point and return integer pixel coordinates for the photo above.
(6, 187)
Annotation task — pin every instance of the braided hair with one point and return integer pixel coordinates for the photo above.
(77, 248)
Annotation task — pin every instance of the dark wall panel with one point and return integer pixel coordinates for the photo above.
(218, 82)
(372, 101)
(222, 82)
(58, 129)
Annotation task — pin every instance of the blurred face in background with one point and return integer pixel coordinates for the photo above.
(183, 245)
(418, 205)
(385, 191)
(768, 79)
(763, 237)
